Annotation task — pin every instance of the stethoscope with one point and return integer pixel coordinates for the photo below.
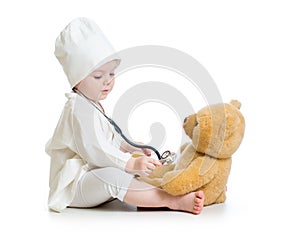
(166, 158)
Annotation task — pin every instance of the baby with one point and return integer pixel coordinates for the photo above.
(89, 163)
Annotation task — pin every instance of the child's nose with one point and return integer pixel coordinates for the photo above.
(107, 79)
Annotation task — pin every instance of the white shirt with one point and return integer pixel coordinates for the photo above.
(83, 140)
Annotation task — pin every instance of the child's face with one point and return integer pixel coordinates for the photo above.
(100, 82)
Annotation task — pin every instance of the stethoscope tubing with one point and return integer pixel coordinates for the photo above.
(117, 128)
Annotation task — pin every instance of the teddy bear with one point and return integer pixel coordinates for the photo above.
(215, 131)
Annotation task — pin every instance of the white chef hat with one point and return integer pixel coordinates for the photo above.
(81, 47)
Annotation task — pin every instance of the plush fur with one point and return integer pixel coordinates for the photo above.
(204, 163)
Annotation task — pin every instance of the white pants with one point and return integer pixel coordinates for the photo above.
(100, 185)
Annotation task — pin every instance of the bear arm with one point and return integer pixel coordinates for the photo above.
(155, 177)
(160, 171)
(184, 146)
(208, 165)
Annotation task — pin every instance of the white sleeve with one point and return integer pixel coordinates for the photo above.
(92, 142)
(117, 140)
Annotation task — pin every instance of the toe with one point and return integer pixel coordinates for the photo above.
(197, 200)
(197, 210)
(200, 194)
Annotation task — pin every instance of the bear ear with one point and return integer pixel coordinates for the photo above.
(236, 103)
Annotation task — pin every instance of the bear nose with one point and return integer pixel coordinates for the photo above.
(185, 119)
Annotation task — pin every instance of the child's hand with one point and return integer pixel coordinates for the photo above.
(142, 165)
(146, 151)
(125, 147)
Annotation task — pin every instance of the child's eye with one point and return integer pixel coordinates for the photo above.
(98, 77)
(112, 74)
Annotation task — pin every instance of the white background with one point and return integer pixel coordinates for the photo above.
(250, 48)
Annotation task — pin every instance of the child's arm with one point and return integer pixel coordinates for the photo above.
(126, 147)
(92, 143)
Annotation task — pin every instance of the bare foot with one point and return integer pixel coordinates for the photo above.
(191, 202)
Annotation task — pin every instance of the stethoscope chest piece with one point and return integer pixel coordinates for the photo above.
(168, 157)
